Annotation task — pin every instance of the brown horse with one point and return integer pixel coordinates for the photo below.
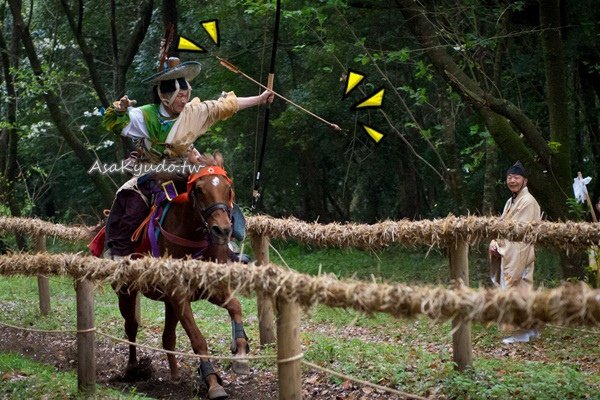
(203, 222)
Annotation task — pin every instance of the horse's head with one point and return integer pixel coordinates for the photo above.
(211, 196)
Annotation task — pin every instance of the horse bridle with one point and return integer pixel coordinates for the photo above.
(206, 212)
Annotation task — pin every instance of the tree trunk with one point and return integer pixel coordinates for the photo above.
(8, 173)
(314, 196)
(59, 117)
(489, 180)
(453, 174)
(556, 89)
(525, 141)
(124, 59)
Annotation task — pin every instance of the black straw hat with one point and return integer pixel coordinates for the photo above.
(517, 169)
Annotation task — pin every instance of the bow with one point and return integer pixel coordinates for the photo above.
(271, 78)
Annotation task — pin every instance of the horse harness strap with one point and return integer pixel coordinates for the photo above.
(206, 212)
(200, 244)
(206, 368)
(204, 171)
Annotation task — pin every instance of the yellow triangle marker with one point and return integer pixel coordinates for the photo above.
(354, 78)
(373, 133)
(185, 44)
(212, 28)
(374, 101)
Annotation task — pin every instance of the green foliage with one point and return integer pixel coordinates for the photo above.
(577, 210)
(319, 42)
(554, 146)
(21, 378)
(500, 379)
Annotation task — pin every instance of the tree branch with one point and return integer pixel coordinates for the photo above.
(87, 53)
(470, 90)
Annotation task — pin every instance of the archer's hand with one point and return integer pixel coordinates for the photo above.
(193, 156)
(266, 97)
(123, 104)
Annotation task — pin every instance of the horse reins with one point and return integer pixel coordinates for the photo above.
(205, 213)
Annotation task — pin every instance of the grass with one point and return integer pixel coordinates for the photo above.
(21, 378)
(411, 355)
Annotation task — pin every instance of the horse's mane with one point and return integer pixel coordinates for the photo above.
(210, 159)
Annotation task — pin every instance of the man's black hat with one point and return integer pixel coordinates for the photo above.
(517, 169)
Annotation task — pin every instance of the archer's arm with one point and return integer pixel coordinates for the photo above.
(265, 97)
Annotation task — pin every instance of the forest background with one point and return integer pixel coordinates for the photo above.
(470, 87)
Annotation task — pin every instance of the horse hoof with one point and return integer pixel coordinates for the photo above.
(140, 371)
(217, 392)
(240, 367)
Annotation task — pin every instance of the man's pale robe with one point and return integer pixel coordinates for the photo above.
(515, 266)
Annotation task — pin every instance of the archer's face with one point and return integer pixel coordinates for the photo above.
(515, 182)
(179, 103)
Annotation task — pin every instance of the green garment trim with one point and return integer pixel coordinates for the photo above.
(158, 127)
(115, 121)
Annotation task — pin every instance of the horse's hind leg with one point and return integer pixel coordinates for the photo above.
(183, 311)
(169, 338)
(239, 339)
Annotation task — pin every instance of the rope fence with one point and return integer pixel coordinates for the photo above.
(568, 305)
(568, 235)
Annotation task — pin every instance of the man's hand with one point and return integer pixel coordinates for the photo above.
(193, 156)
(266, 97)
(123, 104)
(493, 249)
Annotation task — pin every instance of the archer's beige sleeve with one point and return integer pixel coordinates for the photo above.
(198, 116)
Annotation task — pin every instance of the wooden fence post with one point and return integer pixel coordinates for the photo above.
(260, 245)
(86, 346)
(288, 346)
(462, 349)
(43, 286)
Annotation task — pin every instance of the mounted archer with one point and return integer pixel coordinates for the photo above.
(166, 129)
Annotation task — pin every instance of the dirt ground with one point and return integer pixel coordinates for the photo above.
(60, 350)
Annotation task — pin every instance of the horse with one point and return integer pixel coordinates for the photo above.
(202, 222)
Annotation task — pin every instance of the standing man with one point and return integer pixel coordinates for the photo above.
(512, 263)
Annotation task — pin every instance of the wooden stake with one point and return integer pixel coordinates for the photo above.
(288, 346)
(462, 349)
(260, 245)
(86, 347)
(43, 286)
(594, 249)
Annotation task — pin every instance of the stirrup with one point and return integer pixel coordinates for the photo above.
(237, 332)
(205, 369)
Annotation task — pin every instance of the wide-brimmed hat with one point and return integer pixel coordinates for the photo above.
(175, 69)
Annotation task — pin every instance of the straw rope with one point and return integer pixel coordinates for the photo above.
(572, 304)
(365, 383)
(34, 226)
(438, 232)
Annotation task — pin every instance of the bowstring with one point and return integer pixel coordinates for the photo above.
(258, 112)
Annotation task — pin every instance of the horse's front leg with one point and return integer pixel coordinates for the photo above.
(239, 339)
(169, 338)
(127, 301)
(183, 310)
